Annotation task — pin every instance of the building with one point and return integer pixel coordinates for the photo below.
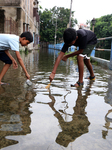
(84, 26)
(17, 16)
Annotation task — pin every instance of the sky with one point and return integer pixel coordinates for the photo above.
(84, 9)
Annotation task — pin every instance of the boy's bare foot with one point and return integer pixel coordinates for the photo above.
(2, 83)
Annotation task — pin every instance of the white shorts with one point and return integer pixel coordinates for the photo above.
(84, 56)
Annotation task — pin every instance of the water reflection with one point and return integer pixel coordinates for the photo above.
(108, 100)
(79, 124)
(75, 115)
(108, 97)
(2, 90)
(107, 125)
(14, 115)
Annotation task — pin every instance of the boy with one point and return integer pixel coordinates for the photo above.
(11, 41)
(86, 41)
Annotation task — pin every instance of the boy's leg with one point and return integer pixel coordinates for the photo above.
(87, 62)
(4, 70)
(89, 66)
(81, 69)
(7, 61)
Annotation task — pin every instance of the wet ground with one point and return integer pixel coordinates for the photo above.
(62, 118)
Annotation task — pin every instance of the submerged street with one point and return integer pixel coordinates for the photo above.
(62, 118)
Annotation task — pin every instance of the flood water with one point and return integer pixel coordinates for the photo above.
(62, 118)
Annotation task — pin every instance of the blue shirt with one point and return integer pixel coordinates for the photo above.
(9, 41)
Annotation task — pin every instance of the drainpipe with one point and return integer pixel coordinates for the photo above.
(28, 13)
(25, 15)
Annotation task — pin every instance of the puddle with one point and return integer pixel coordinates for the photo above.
(62, 118)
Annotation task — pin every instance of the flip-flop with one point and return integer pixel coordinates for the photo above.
(78, 83)
(90, 78)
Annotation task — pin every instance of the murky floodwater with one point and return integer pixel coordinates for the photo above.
(63, 118)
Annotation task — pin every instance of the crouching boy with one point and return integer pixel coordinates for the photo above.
(11, 41)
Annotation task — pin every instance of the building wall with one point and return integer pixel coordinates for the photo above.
(2, 20)
(20, 11)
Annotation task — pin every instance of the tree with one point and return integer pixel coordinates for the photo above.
(55, 18)
(103, 28)
(46, 26)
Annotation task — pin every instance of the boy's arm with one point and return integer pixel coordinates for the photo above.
(22, 64)
(52, 75)
(72, 54)
(15, 66)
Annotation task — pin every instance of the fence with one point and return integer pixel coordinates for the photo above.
(102, 50)
(107, 63)
(56, 46)
(10, 26)
(59, 46)
(104, 62)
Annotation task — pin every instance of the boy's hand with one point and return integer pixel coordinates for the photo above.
(64, 58)
(28, 76)
(51, 77)
(15, 65)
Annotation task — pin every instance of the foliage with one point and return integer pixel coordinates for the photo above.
(72, 58)
(55, 19)
(103, 28)
(46, 26)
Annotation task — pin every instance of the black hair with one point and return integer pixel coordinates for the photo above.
(27, 35)
(69, 35)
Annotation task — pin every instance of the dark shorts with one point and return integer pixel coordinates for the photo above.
(5, 58)
(87, 51)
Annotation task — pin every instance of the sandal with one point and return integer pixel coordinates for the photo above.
(79, 84)
(91, 78)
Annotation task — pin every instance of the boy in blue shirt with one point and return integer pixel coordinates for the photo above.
(86, 41)
(11, 41)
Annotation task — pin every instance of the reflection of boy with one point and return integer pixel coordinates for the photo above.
(86, 41)
(79, 124)
(11, 41)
